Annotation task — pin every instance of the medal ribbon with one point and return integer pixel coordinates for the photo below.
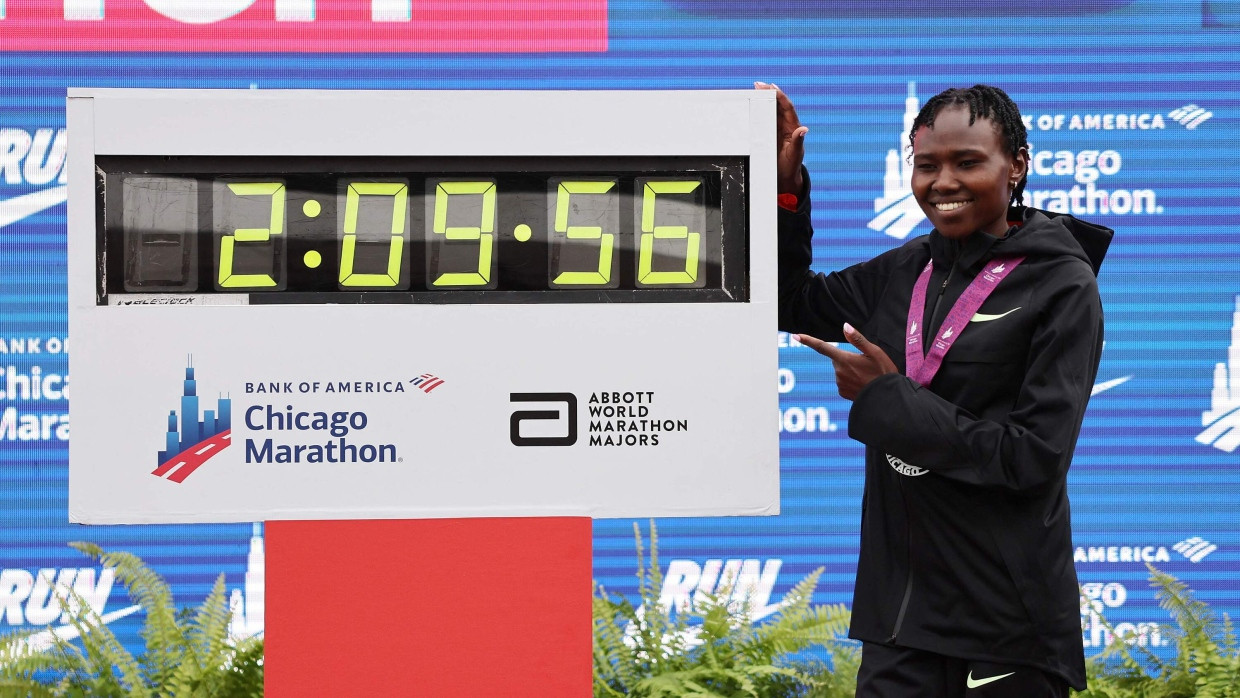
(922, 368)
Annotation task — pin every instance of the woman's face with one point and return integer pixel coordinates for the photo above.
(963, 176)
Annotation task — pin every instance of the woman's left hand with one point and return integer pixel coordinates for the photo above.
(852, 371)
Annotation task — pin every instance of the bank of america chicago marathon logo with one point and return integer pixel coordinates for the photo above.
(193, 439)
(897, 212)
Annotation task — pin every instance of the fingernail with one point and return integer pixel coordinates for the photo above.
(848, 329)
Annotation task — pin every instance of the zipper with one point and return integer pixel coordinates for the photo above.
(934, 310)
(908, 586)
(908, 591)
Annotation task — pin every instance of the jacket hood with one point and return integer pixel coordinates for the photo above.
(1041, 233)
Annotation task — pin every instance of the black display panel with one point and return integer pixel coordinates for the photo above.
(425, 230)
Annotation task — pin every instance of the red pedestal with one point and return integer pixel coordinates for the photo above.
(440, 607)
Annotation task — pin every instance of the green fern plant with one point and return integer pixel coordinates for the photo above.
(647, 651)
(187, 655)
(1206, 662)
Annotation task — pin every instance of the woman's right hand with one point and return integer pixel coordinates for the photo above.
(790, 139)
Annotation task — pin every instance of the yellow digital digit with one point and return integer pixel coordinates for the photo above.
(228, 243)
(399, 191)
(483, 233)
(650, 232)
(563, 232)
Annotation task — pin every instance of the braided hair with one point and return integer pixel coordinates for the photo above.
(984, 102)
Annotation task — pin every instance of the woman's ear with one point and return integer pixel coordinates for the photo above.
(1020, 166)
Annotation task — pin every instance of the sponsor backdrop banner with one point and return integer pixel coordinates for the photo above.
(1132, 108)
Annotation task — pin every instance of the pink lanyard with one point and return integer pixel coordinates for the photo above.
(922, 368)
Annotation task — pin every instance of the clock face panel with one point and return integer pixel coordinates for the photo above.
(425, 230)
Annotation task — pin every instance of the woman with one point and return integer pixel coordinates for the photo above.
(979, 345)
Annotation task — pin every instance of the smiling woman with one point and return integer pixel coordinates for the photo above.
(964, 178)
(983, 343)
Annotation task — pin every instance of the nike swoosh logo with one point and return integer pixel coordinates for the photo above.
(1107, 385)
(45, 640)
(983, 317)
(971, 682)
(19, 207)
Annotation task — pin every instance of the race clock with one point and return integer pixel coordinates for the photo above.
(332, 304)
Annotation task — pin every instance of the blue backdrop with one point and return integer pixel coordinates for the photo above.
(1132, 109)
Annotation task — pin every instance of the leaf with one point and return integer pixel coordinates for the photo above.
(187, 654)
(652, 651)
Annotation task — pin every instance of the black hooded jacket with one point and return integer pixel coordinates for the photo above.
(966, 545)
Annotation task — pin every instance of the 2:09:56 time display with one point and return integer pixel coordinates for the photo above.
(337, 236)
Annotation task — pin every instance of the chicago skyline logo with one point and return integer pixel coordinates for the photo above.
(1222, 420)
(896, 211)
(199, 438)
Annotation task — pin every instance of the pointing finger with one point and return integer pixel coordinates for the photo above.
(859, 341)
(869, 349)
(825, 348)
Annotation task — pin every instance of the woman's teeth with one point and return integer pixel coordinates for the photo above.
(950, 205)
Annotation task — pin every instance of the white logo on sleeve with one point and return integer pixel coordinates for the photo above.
(904, 468)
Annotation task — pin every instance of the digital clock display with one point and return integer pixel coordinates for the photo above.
(425, 230)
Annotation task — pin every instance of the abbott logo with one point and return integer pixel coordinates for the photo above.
(557, 427)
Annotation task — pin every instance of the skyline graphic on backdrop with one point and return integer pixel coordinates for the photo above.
(1222, 419)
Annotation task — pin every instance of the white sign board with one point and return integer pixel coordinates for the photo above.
(344, 305)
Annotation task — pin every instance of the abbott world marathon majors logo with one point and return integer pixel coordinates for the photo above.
(629, 418)
(278, 424)
(1062, 181)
